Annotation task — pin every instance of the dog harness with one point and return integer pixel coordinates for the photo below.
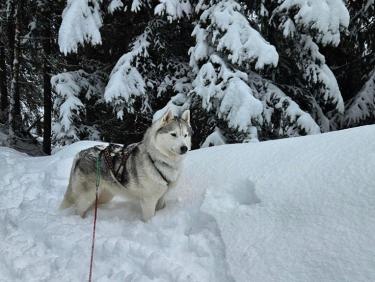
(112, 152)
(161, 174)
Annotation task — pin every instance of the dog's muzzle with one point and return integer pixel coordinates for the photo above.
(183, 150)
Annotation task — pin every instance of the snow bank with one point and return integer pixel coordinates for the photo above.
(300, 209)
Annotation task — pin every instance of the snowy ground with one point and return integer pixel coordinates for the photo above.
(300, 209)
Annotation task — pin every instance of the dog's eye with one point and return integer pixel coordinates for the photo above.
(185, 135)
(174, 134)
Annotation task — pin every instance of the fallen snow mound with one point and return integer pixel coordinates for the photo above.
(300, 209)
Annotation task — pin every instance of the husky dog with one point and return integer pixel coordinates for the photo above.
(151, 168)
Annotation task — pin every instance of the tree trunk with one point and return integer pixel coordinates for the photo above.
(13, 95)
(3, 86)
(47, 88)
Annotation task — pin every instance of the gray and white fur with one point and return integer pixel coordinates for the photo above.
(152, 168)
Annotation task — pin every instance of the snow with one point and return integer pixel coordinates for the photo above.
(274, 99)
(68, 87)
(295, 115)
(81, 22)
(124, 85)
(201, 50)
(125, 82)
(226, 91)
(115, 5)
(297, 209)
(216, 138)
(232, 33)
(136, 6)
(176, 105)
(179, 81)
(175, 9)
(327, 17)
(226, 43)
(318, 73)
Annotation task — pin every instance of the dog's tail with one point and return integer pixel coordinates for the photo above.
(68, 197)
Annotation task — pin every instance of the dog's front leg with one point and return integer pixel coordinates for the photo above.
(148, 208)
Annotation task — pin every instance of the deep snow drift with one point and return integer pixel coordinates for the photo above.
(300, 209)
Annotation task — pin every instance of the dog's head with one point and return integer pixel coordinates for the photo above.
(173, 135)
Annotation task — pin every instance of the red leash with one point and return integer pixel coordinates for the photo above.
(95, 214)
(93, 236)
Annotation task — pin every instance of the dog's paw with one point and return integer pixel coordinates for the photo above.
(160, 204)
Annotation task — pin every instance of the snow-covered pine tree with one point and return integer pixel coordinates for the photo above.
(75, 92)
(152, 70)
(254, 70)
(308, 90)
(225, 43)
(298, 28)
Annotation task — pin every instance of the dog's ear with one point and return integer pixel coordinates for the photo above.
(186, 116)
(168, 116)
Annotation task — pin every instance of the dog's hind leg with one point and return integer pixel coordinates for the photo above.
(69, 197)
(85, 198)
(148, 206)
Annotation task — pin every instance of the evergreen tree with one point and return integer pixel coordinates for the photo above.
(248, 70)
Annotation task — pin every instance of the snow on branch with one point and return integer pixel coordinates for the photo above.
(179, 81)
(174, 9)
(317, 73)
(136, 6)
(326, 17)
(226, 92)
(216, 138)
(115, 5)
(68, 106)
(293, 121)
(362, 106)
(126, 83)
(225, 41)
(201, 50)
(293, 113)
(81, 21)
(231, 33)
(177, 105)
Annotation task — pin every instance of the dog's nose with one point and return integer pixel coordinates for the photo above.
(183, 149)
